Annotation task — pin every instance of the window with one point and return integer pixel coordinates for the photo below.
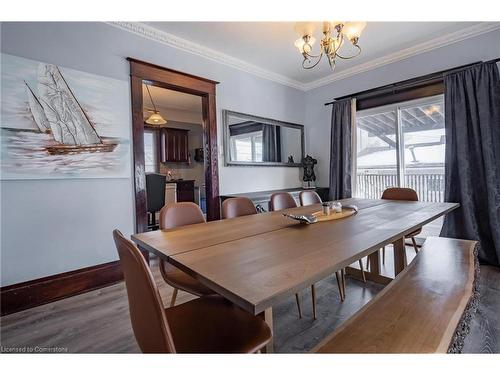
(247, 146)
(403, 145)
(150, 152)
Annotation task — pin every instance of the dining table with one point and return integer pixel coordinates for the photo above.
(256, 261)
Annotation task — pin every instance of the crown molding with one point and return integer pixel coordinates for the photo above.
(171, 40)
(174, 41)
(444, 40)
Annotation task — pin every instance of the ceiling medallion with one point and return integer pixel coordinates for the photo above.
(334, 39)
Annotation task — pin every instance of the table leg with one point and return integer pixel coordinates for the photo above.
(267, 315)
(145, 254)
(374, 260)
(399, 255)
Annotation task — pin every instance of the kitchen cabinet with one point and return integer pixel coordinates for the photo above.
(185, 190)
(174, 145)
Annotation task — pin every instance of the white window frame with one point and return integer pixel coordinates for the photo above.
(155, 151)
(395, 107)
(252, 137)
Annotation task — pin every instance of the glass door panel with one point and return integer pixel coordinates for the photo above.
(376, 159)
(422, 127)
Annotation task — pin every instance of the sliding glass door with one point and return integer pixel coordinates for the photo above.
(376, 152)
(423, 141)
(403, 145)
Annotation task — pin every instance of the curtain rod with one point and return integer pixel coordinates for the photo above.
(409, 83)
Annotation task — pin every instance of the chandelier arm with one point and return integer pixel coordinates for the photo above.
(311, 66)
(341, 43)
(309, 56)
(353, 56)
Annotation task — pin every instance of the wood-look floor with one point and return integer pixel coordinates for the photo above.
(98, 321)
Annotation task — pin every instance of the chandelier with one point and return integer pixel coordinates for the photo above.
(155, 118)
(334, 39)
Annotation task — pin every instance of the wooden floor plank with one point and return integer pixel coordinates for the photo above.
(98, 321)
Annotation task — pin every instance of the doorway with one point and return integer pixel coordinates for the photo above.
(145, 76)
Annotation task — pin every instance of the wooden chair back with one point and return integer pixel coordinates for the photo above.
(147, 313)
(400, 194)
(281, 201)
(308, 197)
(174, 215)
(234, 207)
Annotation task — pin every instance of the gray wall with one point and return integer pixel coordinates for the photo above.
(484, 47)
(53, 226)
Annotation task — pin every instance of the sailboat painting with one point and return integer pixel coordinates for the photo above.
(62, 123)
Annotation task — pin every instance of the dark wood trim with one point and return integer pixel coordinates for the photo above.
(427, 90)
(25, 295)
(163, 69)
(414, 88)
(173, 80)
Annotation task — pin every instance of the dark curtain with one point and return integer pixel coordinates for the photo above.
(271, 143)
(472, 166)
(271, 138)
(340, 150)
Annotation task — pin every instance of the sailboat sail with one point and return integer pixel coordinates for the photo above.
(37, 110)
(68, 122)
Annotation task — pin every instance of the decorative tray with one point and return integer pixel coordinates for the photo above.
(346, 212)
(320, 216)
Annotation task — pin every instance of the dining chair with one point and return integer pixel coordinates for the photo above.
(307, 198)
(281, 201)
(175, 215)
(402, 194)
(234, 207)
(209, 324)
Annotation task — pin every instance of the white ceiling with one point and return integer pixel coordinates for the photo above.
(270, 45)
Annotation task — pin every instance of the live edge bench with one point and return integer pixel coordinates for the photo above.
(426, 309)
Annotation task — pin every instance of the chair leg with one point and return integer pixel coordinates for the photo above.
(342, 272)
(174, 296)
(341, 293)
(298, 305)
(383, 255)
(362, 271)
(313, 296)
(414, 245)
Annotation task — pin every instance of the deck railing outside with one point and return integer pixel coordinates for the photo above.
(427, 182)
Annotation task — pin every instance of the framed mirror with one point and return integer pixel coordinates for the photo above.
(254, 140)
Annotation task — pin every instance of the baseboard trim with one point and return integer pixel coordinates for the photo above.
(25, 295)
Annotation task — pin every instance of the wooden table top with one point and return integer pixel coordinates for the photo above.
(166, 243)
(257, 270)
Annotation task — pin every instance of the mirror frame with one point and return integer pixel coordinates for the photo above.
(227, 157)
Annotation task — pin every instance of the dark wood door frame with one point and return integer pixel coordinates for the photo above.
(173, 80)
